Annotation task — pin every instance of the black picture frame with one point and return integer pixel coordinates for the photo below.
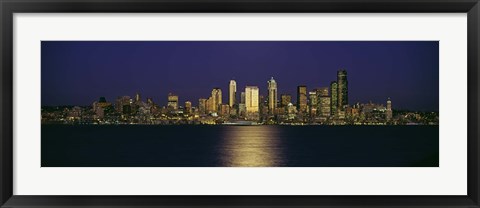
(9, 7)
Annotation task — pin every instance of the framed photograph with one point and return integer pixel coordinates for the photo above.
(239, 103)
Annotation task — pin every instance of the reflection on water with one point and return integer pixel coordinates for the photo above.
(252, 146)
(239, 146)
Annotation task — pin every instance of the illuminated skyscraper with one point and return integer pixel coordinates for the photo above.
(302, 98)
(342, 83)
(388, 112)
(172, 101)
(251, 99)
(286, 99)
(242, 98)
(272, 96)
(202, 105)
(334, 98)
(324, 105)
(312, 96)
(217, 98)
(210, 105)
(313, 102)
(232, 93)
(188, 107)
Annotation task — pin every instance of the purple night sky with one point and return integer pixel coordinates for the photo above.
(79, 72)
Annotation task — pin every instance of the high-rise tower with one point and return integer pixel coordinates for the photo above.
(302, 98)
(272, 96)
(388, 112)
(252, 99)
(333, 98)
(217, 98)
(172, 101)
(342, 89)
(232, 93)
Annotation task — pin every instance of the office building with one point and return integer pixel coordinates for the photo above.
(286, 99)
(333, 98)
(388, 112)
(217, 98)
(342, 84)
(232, 93)
(251, 99)
(302, 98)
(272, 96)
(202, 105)
(188, 107)
(172, 101)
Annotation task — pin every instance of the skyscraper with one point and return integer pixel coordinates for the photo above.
(251, 99)
(334, 97)
(202, 105)
(313, 102)
(324, 105)
(342, 89)
(188, 107)
(286, 99)
(232, 93)
(242, 98)
(272, 96)
(302, 98)
(313, 97)
(388, 112)
(210, 105)
(172, 101)
(217, 98)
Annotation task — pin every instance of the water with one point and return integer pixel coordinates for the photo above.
(239, 146)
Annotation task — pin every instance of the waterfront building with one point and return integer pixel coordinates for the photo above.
(172, 101)
(242, 110)
(302, 98)
(232, 93)
(333, 98)
(224, 110)
(272, 96)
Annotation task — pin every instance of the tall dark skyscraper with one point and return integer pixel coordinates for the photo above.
(334, 97)
(342, 83)
(302, 98)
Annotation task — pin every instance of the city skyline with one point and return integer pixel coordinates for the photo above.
(422, 96)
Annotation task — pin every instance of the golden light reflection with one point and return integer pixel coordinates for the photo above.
(252, 146)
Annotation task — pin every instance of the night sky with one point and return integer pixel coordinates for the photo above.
(79, 72)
